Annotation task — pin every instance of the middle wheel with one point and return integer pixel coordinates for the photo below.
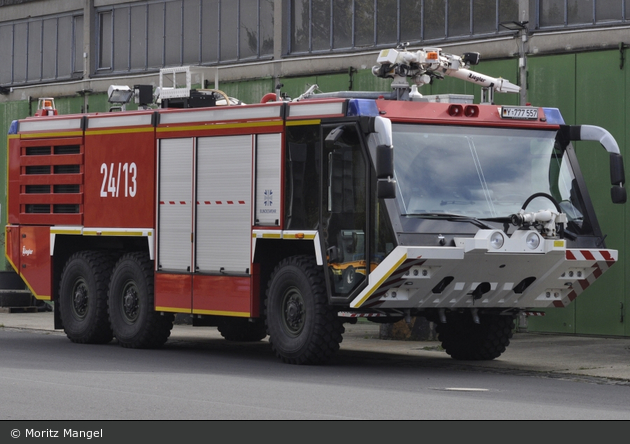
(134, 321)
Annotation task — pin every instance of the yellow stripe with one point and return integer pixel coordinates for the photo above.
(119, 131)
(304, 122)
(272, 235)
(14, 136)
(383, 279)
(173, 310)
(43, 298)
(219, 126)
(55, 231)
(223, 313)
(112, 233)
(43, 135)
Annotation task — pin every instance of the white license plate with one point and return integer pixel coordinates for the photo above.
(519, 112)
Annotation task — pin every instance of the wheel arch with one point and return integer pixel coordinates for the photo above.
(269, 253)
(65, 245)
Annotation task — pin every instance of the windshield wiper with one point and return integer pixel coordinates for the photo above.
(452, 218)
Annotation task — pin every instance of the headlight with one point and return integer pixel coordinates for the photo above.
(532, 240)
(497, 240)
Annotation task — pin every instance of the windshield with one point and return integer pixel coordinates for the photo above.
(482, 173)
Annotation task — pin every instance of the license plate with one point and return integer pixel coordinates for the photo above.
(519, 112)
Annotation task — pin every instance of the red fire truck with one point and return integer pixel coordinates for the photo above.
(290, 217)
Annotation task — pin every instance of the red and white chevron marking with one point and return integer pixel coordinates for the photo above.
(603, 261)
(589, 255)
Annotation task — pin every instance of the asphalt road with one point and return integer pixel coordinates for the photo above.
(43, 376)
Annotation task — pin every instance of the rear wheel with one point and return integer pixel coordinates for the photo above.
(83, 297)
(465, 340)
(134, 321)
(242, 330)
(302, 327)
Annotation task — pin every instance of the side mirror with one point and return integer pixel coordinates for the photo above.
(386, 189)
(595, 133)
(384, 161)
(386, 185)
(617, 179)
(618, 194)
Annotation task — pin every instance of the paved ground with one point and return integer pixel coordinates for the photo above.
(549, 355)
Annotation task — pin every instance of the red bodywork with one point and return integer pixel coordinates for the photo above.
(110, 163)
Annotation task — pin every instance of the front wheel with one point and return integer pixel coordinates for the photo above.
(465, 340)
(134, 321)
(303, 328)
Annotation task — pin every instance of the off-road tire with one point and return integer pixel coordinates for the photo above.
(303, 328)
(83, 297)
(464, 340)
(135, 323)
(242, 330)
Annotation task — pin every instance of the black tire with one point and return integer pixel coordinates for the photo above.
(242, 330)
(83, 297)
(302, 327)
(464, 340)
(134, 321)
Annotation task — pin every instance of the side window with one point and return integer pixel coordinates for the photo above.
(302, 159)
(344, 207)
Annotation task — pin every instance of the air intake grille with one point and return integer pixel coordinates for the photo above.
(51, 183)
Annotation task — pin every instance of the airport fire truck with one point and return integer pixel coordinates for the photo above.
(288, 218)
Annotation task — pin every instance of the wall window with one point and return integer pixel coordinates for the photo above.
(579, 13)
(41, 49)
(325, 25)
(159, 33)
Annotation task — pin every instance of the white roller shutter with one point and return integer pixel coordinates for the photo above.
(175, 204)
(224, 207)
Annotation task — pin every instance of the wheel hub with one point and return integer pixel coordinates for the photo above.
(130, 302)
(293, 312)
(80, 299)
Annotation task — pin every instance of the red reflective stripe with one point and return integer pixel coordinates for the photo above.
(588, 255)
(584, 284)
(570, 256)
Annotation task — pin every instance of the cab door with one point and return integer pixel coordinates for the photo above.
(345, 208)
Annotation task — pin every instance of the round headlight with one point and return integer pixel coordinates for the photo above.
(497, 240)
(532, 240)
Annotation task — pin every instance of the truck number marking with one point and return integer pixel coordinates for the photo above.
(111, 181)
